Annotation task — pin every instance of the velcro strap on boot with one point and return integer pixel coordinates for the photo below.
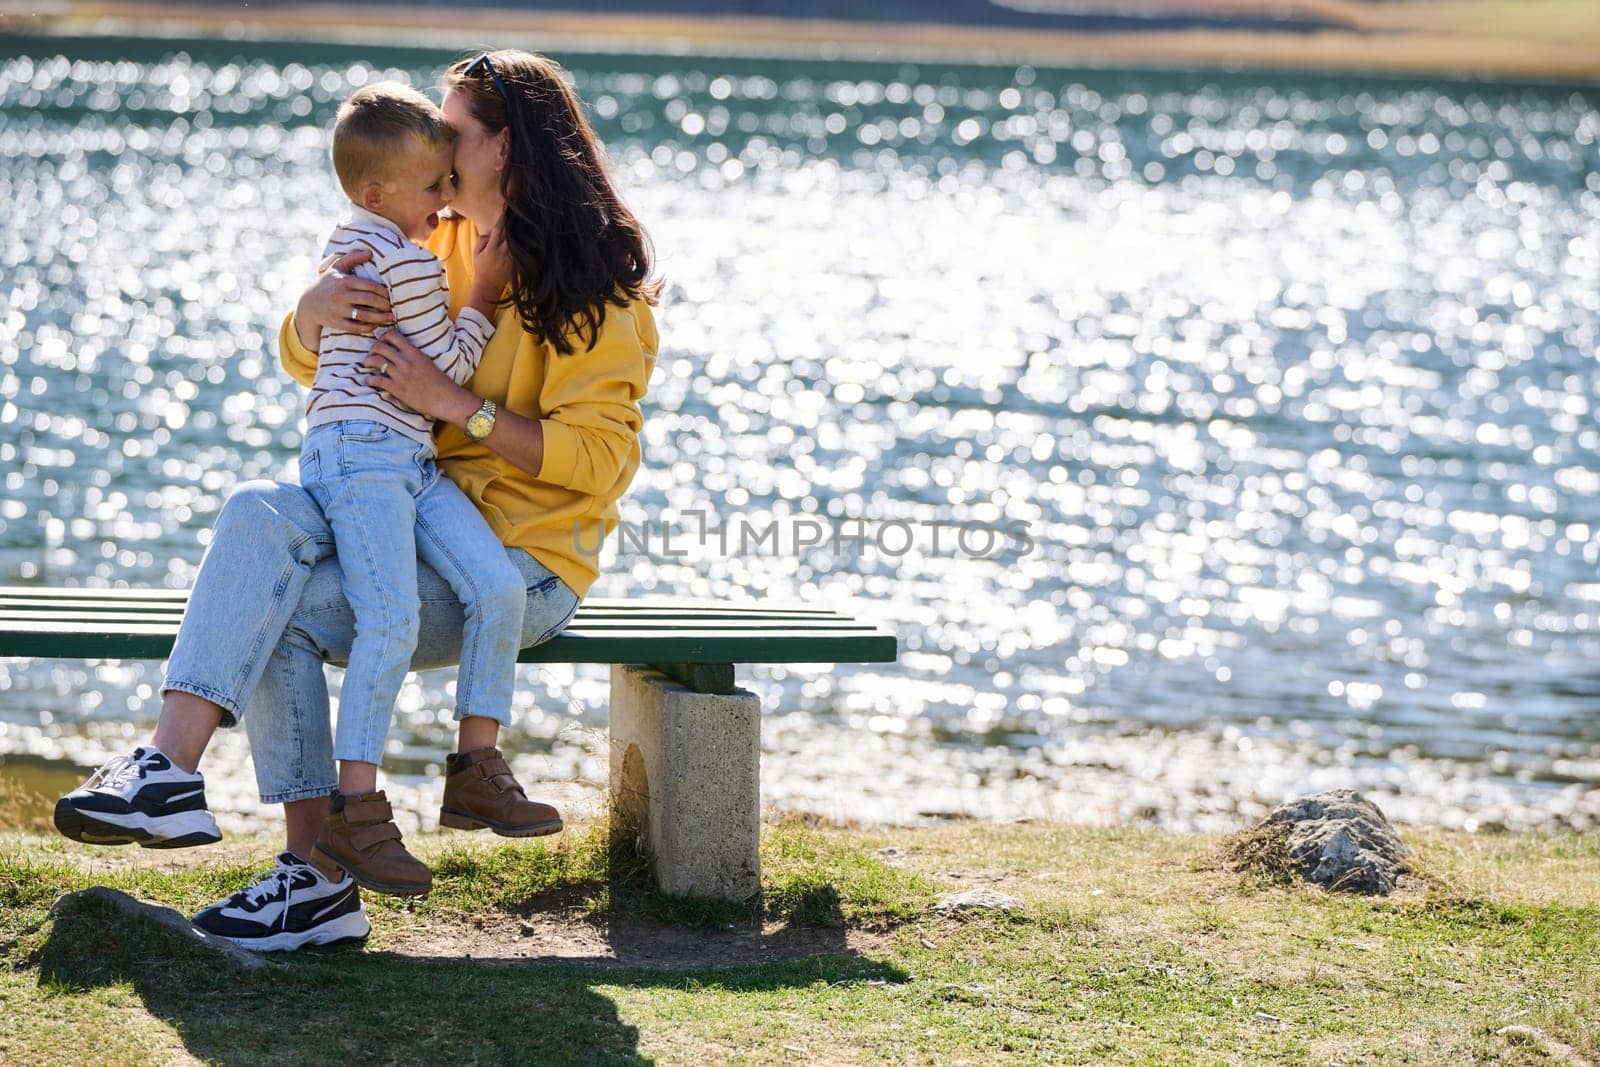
(493, 768)
(369, 836)
(372, 809)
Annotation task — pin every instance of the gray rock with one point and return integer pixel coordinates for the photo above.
(975, 900)
(138, 911)
(1337, 839)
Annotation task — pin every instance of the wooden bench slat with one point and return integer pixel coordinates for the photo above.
(111, 616)
(778, 629)
(598, 604)
(140, 625)
(143, 596)
(10, 604)
(645, 607)
(101, 622)
(38, 621)
(89, 621)
(53, 641)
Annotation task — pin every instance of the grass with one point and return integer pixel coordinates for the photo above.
(1131, 946)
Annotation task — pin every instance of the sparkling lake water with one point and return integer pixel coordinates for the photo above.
(1287, 384)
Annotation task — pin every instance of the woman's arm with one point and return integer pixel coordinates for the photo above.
(590, 402)
(405, 372)
(336, 298)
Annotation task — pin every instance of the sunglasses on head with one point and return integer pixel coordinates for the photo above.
(487, 64)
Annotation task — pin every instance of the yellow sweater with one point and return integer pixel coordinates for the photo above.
(588, 403)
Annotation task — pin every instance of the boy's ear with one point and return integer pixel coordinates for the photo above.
(372, 196)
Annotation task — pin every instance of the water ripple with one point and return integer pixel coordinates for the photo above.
(1289, 380)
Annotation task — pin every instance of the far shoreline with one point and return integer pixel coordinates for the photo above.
(1469, 51)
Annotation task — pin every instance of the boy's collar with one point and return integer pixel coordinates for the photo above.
(362, 215)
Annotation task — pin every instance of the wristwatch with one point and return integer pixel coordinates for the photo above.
(480, 423)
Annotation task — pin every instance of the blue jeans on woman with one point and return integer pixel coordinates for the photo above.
(268, 611)
(382, 495)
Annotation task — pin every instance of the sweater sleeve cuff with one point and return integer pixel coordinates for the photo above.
(474, 315)
(560, 453)
(293, 356)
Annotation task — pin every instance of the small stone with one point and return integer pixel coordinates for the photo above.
(926, 943)
(975, 900)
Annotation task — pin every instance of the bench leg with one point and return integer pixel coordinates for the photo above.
(686, 772)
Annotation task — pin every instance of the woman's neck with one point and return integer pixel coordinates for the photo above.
(484, 216)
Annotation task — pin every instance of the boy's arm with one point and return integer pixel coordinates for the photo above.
(421, 307)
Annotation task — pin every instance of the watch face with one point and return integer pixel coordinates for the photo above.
(479, 425)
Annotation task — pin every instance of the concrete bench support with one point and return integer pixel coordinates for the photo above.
(686, 769)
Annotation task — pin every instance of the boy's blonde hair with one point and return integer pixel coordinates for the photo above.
(372, 127)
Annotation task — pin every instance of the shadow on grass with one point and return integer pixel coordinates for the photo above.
(392, 1006)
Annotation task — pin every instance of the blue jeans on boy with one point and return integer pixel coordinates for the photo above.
(268, 611)
(388, 506)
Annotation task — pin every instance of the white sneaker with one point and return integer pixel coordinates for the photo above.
(142, 798)
(290, 906)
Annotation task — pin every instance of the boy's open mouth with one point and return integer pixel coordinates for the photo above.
(433, 221)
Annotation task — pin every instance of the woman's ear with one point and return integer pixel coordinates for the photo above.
(502, 148)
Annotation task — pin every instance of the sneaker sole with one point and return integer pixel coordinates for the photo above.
(180, 831)
(460, 820)
(344, 930)
(365, 881)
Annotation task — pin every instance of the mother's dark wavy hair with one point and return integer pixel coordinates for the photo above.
(575, 247)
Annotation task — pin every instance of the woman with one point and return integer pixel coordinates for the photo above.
(544, 440)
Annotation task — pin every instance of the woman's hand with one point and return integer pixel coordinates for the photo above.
(339, 300)
(491, 271)
(491, 259)
(401, 370)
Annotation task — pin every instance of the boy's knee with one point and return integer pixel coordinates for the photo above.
(399, 624)
(504, 595)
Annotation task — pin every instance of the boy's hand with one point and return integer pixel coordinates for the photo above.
(338, 300)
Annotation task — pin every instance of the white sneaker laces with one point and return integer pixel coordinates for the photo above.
(117, 774)
(266, 887)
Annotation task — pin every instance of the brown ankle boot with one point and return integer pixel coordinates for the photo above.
(359, 835)
(480, 792)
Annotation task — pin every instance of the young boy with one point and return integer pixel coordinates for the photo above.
(368, 461)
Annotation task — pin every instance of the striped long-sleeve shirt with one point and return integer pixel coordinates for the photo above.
(420, 300)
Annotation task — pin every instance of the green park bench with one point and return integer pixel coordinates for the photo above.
(685, 740)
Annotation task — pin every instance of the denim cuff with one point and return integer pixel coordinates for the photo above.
(289, 795)
(503, 716)
(230, 710)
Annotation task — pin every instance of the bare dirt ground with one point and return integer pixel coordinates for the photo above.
(571, 938)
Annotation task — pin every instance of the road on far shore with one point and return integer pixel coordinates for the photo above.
(1538, 39)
